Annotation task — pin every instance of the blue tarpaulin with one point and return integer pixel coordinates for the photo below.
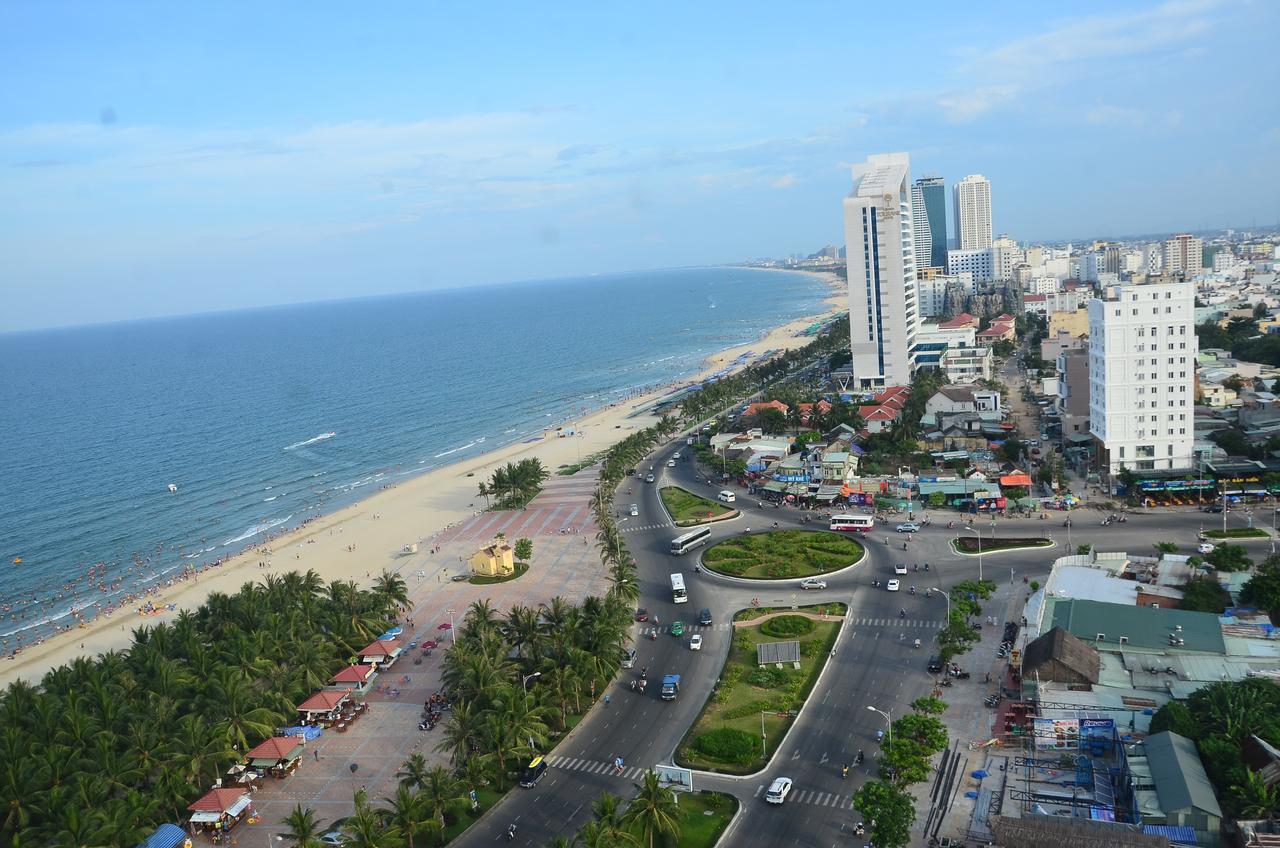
(166, 836)
(1177, 834)
(307, 733)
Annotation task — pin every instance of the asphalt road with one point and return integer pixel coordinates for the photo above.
(874, 663)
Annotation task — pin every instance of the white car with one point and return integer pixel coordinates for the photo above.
(635, 509)
(899, 569)
(675, 455)
(908, 527)
(1206, 548)
(648, 478)
(813, 583)
(778, 790)
(671, 463)
(892, 585)
(695, 642)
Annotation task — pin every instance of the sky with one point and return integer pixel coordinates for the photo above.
(171, 158)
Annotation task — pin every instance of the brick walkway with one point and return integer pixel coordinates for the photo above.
(387, 734)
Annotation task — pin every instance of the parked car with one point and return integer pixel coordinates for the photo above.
(908, 527)
(893, 585)
(813, 583)
(695, 642)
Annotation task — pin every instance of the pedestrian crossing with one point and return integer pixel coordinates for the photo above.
(688, 628)
(815, 798)
(632, 528)
(927, 624)
(607, 768)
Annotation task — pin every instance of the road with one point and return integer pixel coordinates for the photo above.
(873, 665)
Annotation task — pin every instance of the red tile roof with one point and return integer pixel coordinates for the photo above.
(878, 413)
(275, 748)
(1035, 297)
(752, 409)
(381, 648)
(964, 319)
(353, 674)
(217, 800)
(322, 702)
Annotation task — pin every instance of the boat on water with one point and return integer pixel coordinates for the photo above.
(173, 487)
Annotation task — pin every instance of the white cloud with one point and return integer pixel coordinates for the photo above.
(784, 181)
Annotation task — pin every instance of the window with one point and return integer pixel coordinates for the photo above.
(1122, 451)
(1170, 446)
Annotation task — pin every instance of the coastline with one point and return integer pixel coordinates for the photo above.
(369, 535)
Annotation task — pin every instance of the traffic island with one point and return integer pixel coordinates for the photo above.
(972, 545)
(783, 554)
(1237, 533)
(750, 697)
(687, 509)
(702, 819)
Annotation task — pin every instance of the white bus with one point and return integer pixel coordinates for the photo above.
(683, 544)
(853, 523)
(678, 594)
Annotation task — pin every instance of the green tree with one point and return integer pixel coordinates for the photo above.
(1175, 716)
(1263, 589)
(1165, 548)
(439, 791)
(771, 420)
(1228, 557)
(523, 550)
(302, 828)
(1253, 798)
(608, 815)
(1203, 594)
(892, 810)
(653, 810)
(407, 811)
(929, 706)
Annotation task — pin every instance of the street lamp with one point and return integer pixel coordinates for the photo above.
(888, 720)
(452, 630)
(525, 678)
(946, 595)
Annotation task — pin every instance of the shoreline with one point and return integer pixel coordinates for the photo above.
(370, 534)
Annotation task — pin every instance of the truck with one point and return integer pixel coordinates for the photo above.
(670, 687)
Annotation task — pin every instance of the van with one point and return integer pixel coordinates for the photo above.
(727, 496)
(533, 773)
(629, 658)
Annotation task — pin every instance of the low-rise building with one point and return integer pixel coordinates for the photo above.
(1170, 786)
(496, 560)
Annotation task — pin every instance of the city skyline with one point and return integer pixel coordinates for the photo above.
(169, 164)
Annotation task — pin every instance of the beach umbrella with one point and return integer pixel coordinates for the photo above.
(392, 633)
(980, 773)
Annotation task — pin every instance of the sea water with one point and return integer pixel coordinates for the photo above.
(264, 418)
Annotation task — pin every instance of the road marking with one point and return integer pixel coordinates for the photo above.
(759, 789)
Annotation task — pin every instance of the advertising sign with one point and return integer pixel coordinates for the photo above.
(1057, 734)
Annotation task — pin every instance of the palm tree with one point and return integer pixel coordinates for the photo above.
(608, 812)
(483, 491)
(439, 792)
(523, 630)
(1254, 798)
(413, 772)
(303, 828)
(391, 589)
(653, 810)
(407, 811)
(366, 828)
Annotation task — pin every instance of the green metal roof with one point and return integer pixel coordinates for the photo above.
(1145, 627)
(1179, 776)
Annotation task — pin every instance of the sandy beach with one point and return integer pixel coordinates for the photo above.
(361, 540)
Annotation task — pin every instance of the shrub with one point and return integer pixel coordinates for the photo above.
(787, 626)
(767, 678)
(782, 569)
(727, 745)
(753, 708)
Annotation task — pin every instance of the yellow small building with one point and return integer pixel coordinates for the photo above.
(496, 560)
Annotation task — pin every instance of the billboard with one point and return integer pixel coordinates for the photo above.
(1057, 734)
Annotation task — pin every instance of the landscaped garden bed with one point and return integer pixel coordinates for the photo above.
(782, 554)
(688, 509)
(726, 736)
(971, 544)
(1238, 533)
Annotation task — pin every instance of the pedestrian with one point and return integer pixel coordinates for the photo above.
(315, 752)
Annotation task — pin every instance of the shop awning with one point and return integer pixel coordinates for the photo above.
(205, 818)
(1016, 479)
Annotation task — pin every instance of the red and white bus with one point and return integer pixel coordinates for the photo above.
(853, 523)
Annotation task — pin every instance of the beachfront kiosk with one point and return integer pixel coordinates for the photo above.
(279, 755)
(381, 653)
(219, 810)
(496, 560)
(359, 676)
(324, 707)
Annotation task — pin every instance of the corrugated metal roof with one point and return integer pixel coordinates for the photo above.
(1179, 777)
(1143, 627)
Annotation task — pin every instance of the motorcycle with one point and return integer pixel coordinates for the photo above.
(511, 833)
(912, 591)
(902, 613)
(857, 761)
(916, 644)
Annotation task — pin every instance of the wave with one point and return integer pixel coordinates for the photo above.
(311, 441)
(455, 450)
(256, 529)
(270, 499)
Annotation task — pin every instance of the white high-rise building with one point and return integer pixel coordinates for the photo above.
(973, 213)
(1004, 254)
(979, 263)
(880, 251)
(1142, 366)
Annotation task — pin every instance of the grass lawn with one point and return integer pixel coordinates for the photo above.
(743, 691)
(521, 568)
(460, 816)
(783, 554)
(752, 613)
(703, 817)
(1238, 533)
(969, 544)
(688, 509)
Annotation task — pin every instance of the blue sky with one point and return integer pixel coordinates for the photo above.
(170, 158)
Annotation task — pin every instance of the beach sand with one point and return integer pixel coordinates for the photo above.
(380, 526)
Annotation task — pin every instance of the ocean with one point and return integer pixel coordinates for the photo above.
(264, 418)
